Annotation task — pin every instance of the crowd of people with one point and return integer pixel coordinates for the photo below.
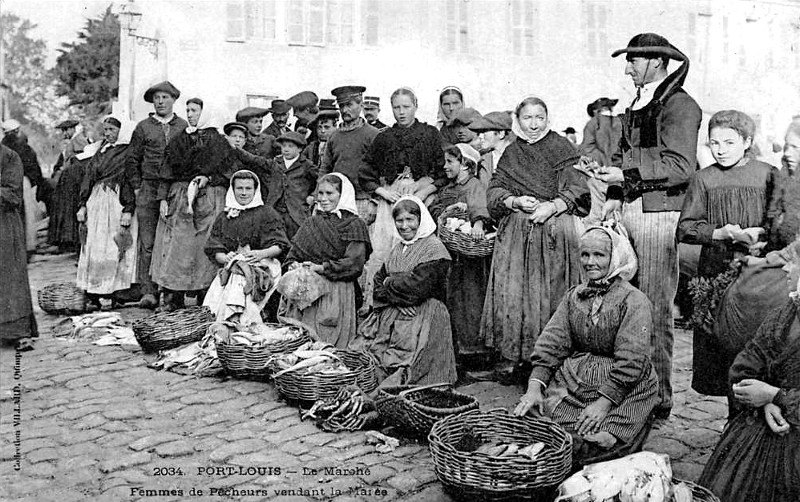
(575, 303)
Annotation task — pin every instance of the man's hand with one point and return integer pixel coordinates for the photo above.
(609, 174)
(81, 214)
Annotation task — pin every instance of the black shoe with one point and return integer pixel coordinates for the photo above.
(660, 413)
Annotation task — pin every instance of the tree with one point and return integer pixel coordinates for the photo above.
(88, 70)
(30, 87)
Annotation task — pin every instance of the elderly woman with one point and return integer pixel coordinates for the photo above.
(756, 459)
(193, 180)
(408, 333)
(451, 101)
(591, 365)
(107, 262)
(533, 197)
(405, 159)
(247, 241)
(334, 244)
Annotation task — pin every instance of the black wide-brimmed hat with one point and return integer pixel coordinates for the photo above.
(600, 103)
(650, 45)
(279, 107)
(164, 86)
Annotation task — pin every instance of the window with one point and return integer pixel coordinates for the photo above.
(251, 20)
(371, 22)
(260, 100)
(457, 17)
(340, 22)
(596, 27)
(523, 17)
(320, 22)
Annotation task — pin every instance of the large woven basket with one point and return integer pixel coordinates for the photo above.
(699, 493)
(304, 386)
(460, 242)
(62, 298)
(415, 409)
(167, 330)
(477, 475)
(250, 361)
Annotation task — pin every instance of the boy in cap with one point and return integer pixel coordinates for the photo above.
(347, 147)
(145, 156)
(372, 108)
(494, 135)
(258, 142)
(326, 124)
(305, 108)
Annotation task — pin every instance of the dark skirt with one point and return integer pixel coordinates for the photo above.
(466, 292)
(16, 308)
(63, 227)
(753, 464)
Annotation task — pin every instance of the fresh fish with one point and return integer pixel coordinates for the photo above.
(191, 194)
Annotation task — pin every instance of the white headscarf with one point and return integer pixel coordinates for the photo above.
(441, 118)
(123, 138)
(347, 198)
(623, 262)
(426, 224)
(209, 119)
(232, 206)
(517, 129)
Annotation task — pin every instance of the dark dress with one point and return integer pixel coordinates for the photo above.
(751, 463)
(341, 246)
(786, 210)
(259, 228)
(533, 265)
(718, 196)
(16, 309)
(63, 228)
(469, 275)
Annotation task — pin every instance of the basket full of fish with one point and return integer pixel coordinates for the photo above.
(169, 330)
(317, 370)
(494, 455)
(244, 351)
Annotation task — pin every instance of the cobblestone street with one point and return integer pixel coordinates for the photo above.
(97, 424)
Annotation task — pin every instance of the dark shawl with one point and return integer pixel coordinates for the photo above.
(202, 153)
(324, 237)
(259, 228)
(543, 170)
(108, 168)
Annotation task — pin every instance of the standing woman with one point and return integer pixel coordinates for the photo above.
(451, 101)
(333, 243)
(405, 159)
(533, 195)
(17, 322)
(107, 203)
(193, 181)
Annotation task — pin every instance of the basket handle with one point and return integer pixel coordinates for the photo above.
(425, 387)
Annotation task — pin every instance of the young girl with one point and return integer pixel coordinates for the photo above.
(725, 211)
(466, 286)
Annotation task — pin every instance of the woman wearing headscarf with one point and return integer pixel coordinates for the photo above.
(592, 372)
(334, 244)
(193, 180)
(107, 262)
(408, 333)
(534, 196)
(451, 101)
(17, 321)
(756, 459)
(405, 159)
(246, 243)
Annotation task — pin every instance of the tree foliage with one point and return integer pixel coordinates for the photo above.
(88, 70)
(30, 87)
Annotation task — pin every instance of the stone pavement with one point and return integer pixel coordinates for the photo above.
(97, 424)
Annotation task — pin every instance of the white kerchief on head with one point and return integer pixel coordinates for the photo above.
(623, 262)
(426, 224)
(232, 206)
(209, 119)
(347, 198)
(517, 129)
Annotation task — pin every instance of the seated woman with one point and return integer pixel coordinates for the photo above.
(408, 332)
(333, 243)
(593, 357)
(757, 457)
(247, 241)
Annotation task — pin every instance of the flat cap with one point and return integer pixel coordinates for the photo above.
(294, 137)
(305, 99)
(250, 112)
(279, 107)
(233, 126)
(67, 124)
(348, 92)
(164, 86)
(466, 116)
(492, 121)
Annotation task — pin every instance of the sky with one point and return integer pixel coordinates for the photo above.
(58, 20)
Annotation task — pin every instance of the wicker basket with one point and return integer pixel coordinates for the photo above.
(305, 386)
(478, 475)
(63, 298)
(699, 493)
(250, 361)
(460, 242)
(167, 330)
(416, 409)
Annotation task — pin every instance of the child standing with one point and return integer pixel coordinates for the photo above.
(725, 211)
(326, 124)
(466, 287)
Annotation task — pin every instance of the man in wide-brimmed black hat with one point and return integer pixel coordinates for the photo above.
(145, 156)
(659, 155)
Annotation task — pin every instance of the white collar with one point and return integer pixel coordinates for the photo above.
(290, 163)
(646, 93)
